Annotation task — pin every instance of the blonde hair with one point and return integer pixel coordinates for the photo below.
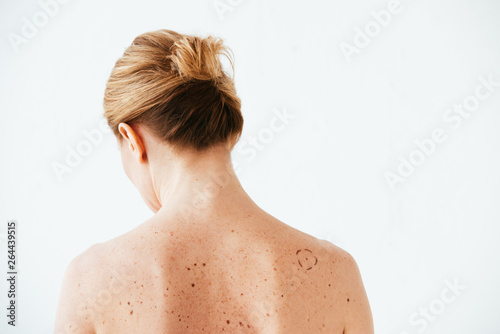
(176, 86)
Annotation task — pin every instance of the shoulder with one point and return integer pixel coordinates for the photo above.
(340, 258)
(358, 314)
(95, 279)
(80, 286)
(335, 266)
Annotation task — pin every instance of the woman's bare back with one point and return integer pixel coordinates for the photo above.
(249, 274)
(210, 260)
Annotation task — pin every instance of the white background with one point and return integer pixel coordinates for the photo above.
(323, 173)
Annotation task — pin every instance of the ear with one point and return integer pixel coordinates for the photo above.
(133, 142)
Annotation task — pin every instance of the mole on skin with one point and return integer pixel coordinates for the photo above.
(306, 259)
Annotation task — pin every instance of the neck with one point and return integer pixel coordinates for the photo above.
(198, 183)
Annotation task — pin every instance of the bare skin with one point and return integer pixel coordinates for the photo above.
(209, 260)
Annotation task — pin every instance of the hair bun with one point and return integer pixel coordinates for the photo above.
(175, 86)
(198, 58)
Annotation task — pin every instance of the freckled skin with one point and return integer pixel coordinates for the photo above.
(203, 277)
(225, 266)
